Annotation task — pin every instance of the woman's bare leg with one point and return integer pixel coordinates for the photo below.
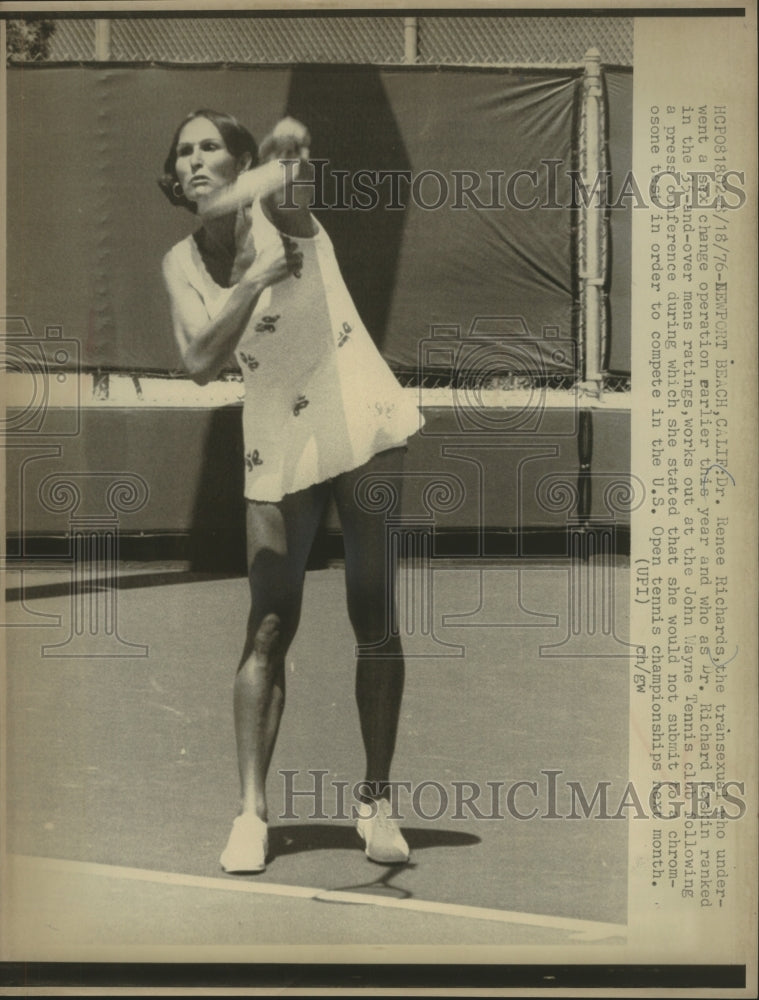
(370, 582)
(279, 540)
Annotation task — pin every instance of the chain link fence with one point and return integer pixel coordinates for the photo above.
(503, 39)
(498, 39)
(259, 40)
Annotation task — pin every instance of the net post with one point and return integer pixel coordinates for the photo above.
(592, 257)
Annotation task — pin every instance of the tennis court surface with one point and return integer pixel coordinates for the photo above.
(122, 778)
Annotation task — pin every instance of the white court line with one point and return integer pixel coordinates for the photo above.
(580, 930)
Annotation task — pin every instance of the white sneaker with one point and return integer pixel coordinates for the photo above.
(381, 833)
(247, 845)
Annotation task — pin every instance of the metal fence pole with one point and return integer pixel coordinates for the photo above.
(102, 40)
(410, 39)
(592, 265)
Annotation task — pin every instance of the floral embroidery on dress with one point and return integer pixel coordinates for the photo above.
(249, 360)
(343, 335)
(300, 404)
(252, 460)
(384, 410)
(267, 324)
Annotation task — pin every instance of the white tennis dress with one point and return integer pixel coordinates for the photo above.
(319, 397)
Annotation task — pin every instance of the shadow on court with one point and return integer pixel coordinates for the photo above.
(297, 838)
(130, 761)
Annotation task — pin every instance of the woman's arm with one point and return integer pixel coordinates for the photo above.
(288, 207)
(269, 182)
(260, 182)
(206, 344)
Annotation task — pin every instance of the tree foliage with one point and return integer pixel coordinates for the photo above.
(29, 40)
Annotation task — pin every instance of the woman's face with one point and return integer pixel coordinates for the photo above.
(204, 164)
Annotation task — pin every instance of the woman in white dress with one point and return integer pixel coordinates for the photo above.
(321, 410)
